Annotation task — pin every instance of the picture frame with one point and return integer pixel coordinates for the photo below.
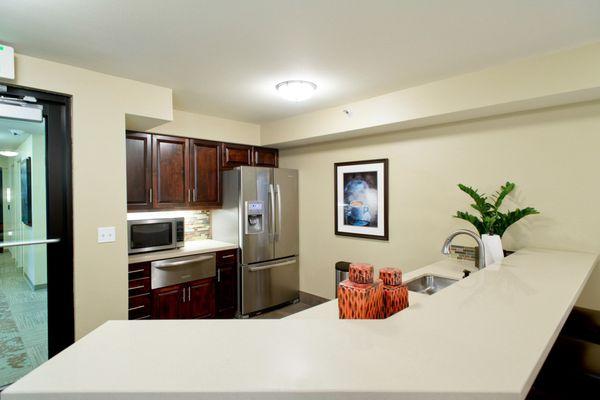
(361, 199)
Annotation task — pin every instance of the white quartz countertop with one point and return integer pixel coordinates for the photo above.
(190, 248)
(484, 337)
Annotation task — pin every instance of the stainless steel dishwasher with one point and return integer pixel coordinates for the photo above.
(182, 269)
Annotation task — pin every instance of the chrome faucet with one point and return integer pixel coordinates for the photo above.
(481, 259)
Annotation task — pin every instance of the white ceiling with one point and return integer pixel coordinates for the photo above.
(223, 57)
(10, 141)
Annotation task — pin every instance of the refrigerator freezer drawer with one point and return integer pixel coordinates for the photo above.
(269, 284)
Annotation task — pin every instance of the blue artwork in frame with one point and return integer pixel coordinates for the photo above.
(26, 191)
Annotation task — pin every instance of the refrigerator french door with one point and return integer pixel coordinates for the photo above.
(264, 204)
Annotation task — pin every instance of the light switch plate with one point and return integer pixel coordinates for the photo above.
(106, 234)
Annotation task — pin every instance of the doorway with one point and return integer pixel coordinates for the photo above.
(36, 262)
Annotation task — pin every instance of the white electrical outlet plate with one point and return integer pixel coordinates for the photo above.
(7, 62)
(106, 234)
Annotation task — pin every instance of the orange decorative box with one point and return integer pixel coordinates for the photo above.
(395, 299)
(391, 276)
(360, 300)
(361, 273)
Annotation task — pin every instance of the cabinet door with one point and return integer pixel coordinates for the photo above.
(205, 173)
(265, 157)
(201, 299)
(170, 167)
(139, 170)
(226, 288)
(166, 302)
(235, 155)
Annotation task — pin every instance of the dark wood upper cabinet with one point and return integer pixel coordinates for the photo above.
(139, 170)
(205, 173)
(235, 155)
(170, 171)
(265, 157)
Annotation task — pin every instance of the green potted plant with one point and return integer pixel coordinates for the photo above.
(491, 222)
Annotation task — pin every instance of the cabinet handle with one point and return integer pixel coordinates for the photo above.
(136, 308)
(183, 296)
(218, 275)
(189, 195)
(136, 287)
(150, 191)
(189, 293)
(228, 256)
(135, 271)
(195, 195)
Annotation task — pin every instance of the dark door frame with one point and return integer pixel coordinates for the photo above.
(59, 215)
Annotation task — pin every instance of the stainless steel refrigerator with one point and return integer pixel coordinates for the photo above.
(260, 215)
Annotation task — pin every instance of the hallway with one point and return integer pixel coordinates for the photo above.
(23, 323)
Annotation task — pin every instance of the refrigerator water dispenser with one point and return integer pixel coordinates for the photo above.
(254, 217)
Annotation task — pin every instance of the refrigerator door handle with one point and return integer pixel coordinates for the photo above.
(278, 226)
(281, 264)
(272, 209)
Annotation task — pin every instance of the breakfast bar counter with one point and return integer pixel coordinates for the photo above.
(483, 337)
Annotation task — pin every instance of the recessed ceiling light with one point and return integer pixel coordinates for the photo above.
(8, 153)
(296, 90)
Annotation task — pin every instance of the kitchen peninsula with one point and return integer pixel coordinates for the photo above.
(483, 337)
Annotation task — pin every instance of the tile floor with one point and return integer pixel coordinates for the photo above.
(23, 323)
(283, 312)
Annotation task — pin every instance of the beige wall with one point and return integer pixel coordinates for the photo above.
(100, 104)
(551, 154)
(561, 78)
(211, 128)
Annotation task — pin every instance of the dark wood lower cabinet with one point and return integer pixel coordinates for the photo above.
(226, 286)
(201, 299)
(166, 302)
(205, 298)
(188, 300)
(140, 302)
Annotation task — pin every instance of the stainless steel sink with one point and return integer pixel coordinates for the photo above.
(429, 284)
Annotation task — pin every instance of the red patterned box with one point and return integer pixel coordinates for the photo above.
(361, 273)
(391, 276)
(395, 299)
(360, 300)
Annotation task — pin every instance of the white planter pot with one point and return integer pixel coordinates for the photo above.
(493, 248)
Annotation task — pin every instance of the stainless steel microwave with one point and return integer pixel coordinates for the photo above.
(155, 234)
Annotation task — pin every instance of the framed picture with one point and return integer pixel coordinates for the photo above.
(361, 199)
(26, 191)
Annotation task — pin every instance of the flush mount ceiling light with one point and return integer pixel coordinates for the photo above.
(8, 153)
(296, 90)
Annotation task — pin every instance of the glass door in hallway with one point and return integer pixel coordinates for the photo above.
(35, 226)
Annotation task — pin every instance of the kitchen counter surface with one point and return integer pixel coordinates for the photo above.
(484, 337)
(190, 248)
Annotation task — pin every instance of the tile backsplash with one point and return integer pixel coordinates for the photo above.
(197, 225)
(464, 252)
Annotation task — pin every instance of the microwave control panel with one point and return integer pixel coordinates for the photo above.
(255, 211)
